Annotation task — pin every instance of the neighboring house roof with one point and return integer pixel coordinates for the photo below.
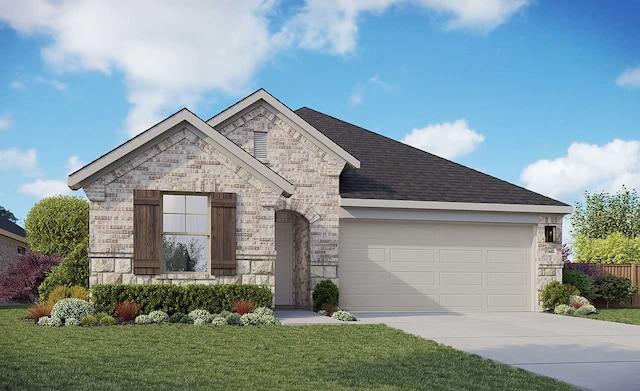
(179, 120)
(12, 230)
(391, 170)
(289, 116)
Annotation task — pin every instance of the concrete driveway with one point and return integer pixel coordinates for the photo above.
(590, 354)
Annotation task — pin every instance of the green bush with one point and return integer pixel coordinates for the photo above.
(73, 270)
(582, 281)
(326, 292)
(179, 298)
(233, 319)
(89, 320)
(176, 318)
(615, 290)
(55, 225)
(553, 294)
(614, 249)
(107, 321)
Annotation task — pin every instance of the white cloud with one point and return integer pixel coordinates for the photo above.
(42, 188)
(58, 85)
(5, 121)
(16, 85)
(374, 82)
(629, 78)
(356, 96)
(586, 167)
(21, 160)
(448, 140)
(475, 15)
(74, 164)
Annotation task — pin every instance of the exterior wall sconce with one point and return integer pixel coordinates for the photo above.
(549, 234)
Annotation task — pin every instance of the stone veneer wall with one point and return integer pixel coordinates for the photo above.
(182, 162)
(548, 255)
(9, 252)
(315, 175)
(301, 257)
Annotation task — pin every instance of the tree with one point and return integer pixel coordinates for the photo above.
(56, 225)
(603, 214)
(7, 213)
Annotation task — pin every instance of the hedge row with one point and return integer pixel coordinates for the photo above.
(179, 298)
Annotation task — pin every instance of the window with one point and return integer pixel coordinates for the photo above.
(260, 145)
(22, 250)
(185, 236)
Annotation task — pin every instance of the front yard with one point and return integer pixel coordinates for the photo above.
(620, 315)
(176, 356)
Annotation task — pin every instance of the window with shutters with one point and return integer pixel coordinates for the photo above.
(260, 145)
(185, 233)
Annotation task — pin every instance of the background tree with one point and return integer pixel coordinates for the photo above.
(7, 213)
(603, 214)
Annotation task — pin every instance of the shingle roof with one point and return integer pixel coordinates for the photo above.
(9, 226)
(395, 171)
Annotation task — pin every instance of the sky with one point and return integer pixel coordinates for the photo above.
(544, 94)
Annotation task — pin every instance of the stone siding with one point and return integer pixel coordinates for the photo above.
(9, 252)
(548, 254)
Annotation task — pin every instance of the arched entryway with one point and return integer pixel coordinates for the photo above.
(292, 270)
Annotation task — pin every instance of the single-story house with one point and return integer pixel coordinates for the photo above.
(13, 243)
(263, 194)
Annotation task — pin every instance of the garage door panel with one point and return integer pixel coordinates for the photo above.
(419, 266)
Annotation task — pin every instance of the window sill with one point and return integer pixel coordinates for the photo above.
(186, 276)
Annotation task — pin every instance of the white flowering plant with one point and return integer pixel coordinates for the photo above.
(200, 314)
(219, 321)
(263, 311)
(143, 319)
(158, 316)
(72, 322)
(343, 316)
(72, 308)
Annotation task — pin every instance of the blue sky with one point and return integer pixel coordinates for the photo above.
(544, 94)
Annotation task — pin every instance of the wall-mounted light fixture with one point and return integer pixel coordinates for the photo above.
(549, 234)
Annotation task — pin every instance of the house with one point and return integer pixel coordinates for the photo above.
(263, 194)
(13, 243)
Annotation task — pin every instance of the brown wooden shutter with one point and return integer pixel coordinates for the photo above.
(147, 231)
(223, 234)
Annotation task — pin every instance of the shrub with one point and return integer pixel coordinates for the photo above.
(263, 311)
(89, 320)
(572, 290)
(64, 292)
(269, 320)
(582, 281)
(199, 321)
(614, 289)
(554, 293)
(224, 314)
(101, 315)
(578, 300)
(614, 249)
(219, 321)
(592, 270)
(107, 320)
(561, 309)
(55, 225)
(250, 319)
(576, 305)
(586, 310)
(43, 321)
(126, 311)
(143, 319)
(180, 298)
(176, 318)
(158, 316)
(200, 314)
(72, 271)
(343, 316)
(243, 307)
(186, 319)
(233, 319)
(329, 309)
(326, 292)
(50, 321)
(72, 308)
(38, 311)
(71, 322)
(19, 284)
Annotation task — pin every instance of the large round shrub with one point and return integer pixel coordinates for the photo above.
(73, 270)
(582, 281)
(56, 225)
(72, 308)
(326, 292)
(553, 294)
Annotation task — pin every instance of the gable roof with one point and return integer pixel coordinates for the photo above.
(318, 138)
(12, 230)
(183, 118)
(391, 170)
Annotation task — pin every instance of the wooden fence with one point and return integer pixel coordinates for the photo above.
(631, 272)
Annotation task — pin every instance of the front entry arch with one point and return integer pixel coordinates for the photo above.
(292, 270)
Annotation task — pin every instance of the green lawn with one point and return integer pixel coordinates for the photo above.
(181, 356)
(620, 315)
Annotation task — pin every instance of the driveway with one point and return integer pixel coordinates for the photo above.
(591, 354)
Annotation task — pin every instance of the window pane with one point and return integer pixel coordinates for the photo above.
(197, 205)
(184, 253)
(172, 203)
(197, 224)
(173, 223)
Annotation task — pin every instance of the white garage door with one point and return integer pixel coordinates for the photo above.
(419, 266)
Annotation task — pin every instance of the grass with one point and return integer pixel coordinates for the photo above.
(620, 315)
(176, 356)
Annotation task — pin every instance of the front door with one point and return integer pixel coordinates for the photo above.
(284, 264)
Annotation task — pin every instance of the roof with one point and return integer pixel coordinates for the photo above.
(391, 170)
(182, 118)
(9, 226)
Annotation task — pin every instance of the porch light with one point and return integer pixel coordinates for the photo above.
(549, 234)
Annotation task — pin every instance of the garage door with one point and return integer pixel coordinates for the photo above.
(418, 266)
